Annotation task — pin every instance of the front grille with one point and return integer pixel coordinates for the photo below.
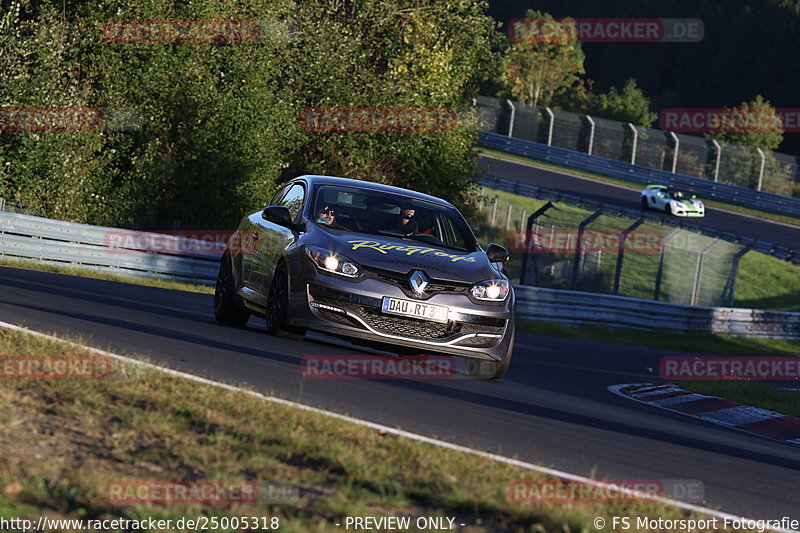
(401, 280)
(404, 326)
(408, 327)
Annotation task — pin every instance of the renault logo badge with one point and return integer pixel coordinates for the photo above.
(418, 281)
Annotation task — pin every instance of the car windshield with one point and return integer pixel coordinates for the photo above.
(676, 194)
(363, 210)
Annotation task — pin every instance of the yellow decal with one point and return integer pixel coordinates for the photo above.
(408, 250)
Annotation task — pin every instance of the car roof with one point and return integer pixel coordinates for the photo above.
(313, 179)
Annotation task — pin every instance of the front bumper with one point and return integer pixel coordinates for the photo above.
(353, 309)
(696, 212)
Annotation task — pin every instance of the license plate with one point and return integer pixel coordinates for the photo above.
(395, 306)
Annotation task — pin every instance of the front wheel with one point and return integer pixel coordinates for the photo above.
(228, 306)
(483, 369)
(668, 208)
(644, 203)
(277, 309)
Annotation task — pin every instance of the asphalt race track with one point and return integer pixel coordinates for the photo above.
(777, 233)
(552, 408)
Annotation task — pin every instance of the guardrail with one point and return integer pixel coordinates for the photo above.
(773, 203)
(523, 189)
(578, 308)
(25, 237)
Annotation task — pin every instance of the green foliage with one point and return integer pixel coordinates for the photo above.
(628, 105)
(536, 66)
(544, 66)
(759, 127)
(216, 125)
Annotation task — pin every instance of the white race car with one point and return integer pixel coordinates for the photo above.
(672, 201)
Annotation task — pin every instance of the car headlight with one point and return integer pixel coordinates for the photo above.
(491, 290)
(333, 263)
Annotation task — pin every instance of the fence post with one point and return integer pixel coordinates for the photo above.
(675, 152)
(660, 273)
(621, 252)
(761, 171)
(494, 210)
(522, 220)
(523, 278)
(579, 245)
(480, 201)
(550, 127)
(699, 271)
(508, 216)
(2, 204)
(511, 122)
(591, 134)
(719, 155)
(730, 286)
(635, 140)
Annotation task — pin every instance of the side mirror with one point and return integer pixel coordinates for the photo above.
(278, 214)
(496, 253)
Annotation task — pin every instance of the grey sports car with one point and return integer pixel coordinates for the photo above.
(374, 264)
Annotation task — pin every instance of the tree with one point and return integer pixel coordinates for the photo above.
(753, 123)
(749, 126)
(542, 60)
(628, 105)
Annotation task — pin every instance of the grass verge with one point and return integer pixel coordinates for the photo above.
(87, 273)
(775, 217)
(764, 282)
(757, 394)
(65, 441)
(681, 342)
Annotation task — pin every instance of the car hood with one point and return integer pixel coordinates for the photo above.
(690, 203)
(403, 255)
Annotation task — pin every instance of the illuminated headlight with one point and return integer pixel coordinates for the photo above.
(333, 263)
(491, 290)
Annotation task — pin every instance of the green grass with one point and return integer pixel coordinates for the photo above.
(756, 394)
(681, 342)
(65, 440)
(786, 219)
(764, 282)
(768, 283)
(87, 273)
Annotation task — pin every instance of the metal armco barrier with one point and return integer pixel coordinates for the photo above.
(577, 308)
(25, 237)
(533, 191)
(773, 203)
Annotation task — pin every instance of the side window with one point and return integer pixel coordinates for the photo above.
(293, 200)
(278, 195)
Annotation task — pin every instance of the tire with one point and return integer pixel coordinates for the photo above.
(276, 315)
(668, 208)
(481, 369)
(501, 368)
(644, 203)
(228, 306)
